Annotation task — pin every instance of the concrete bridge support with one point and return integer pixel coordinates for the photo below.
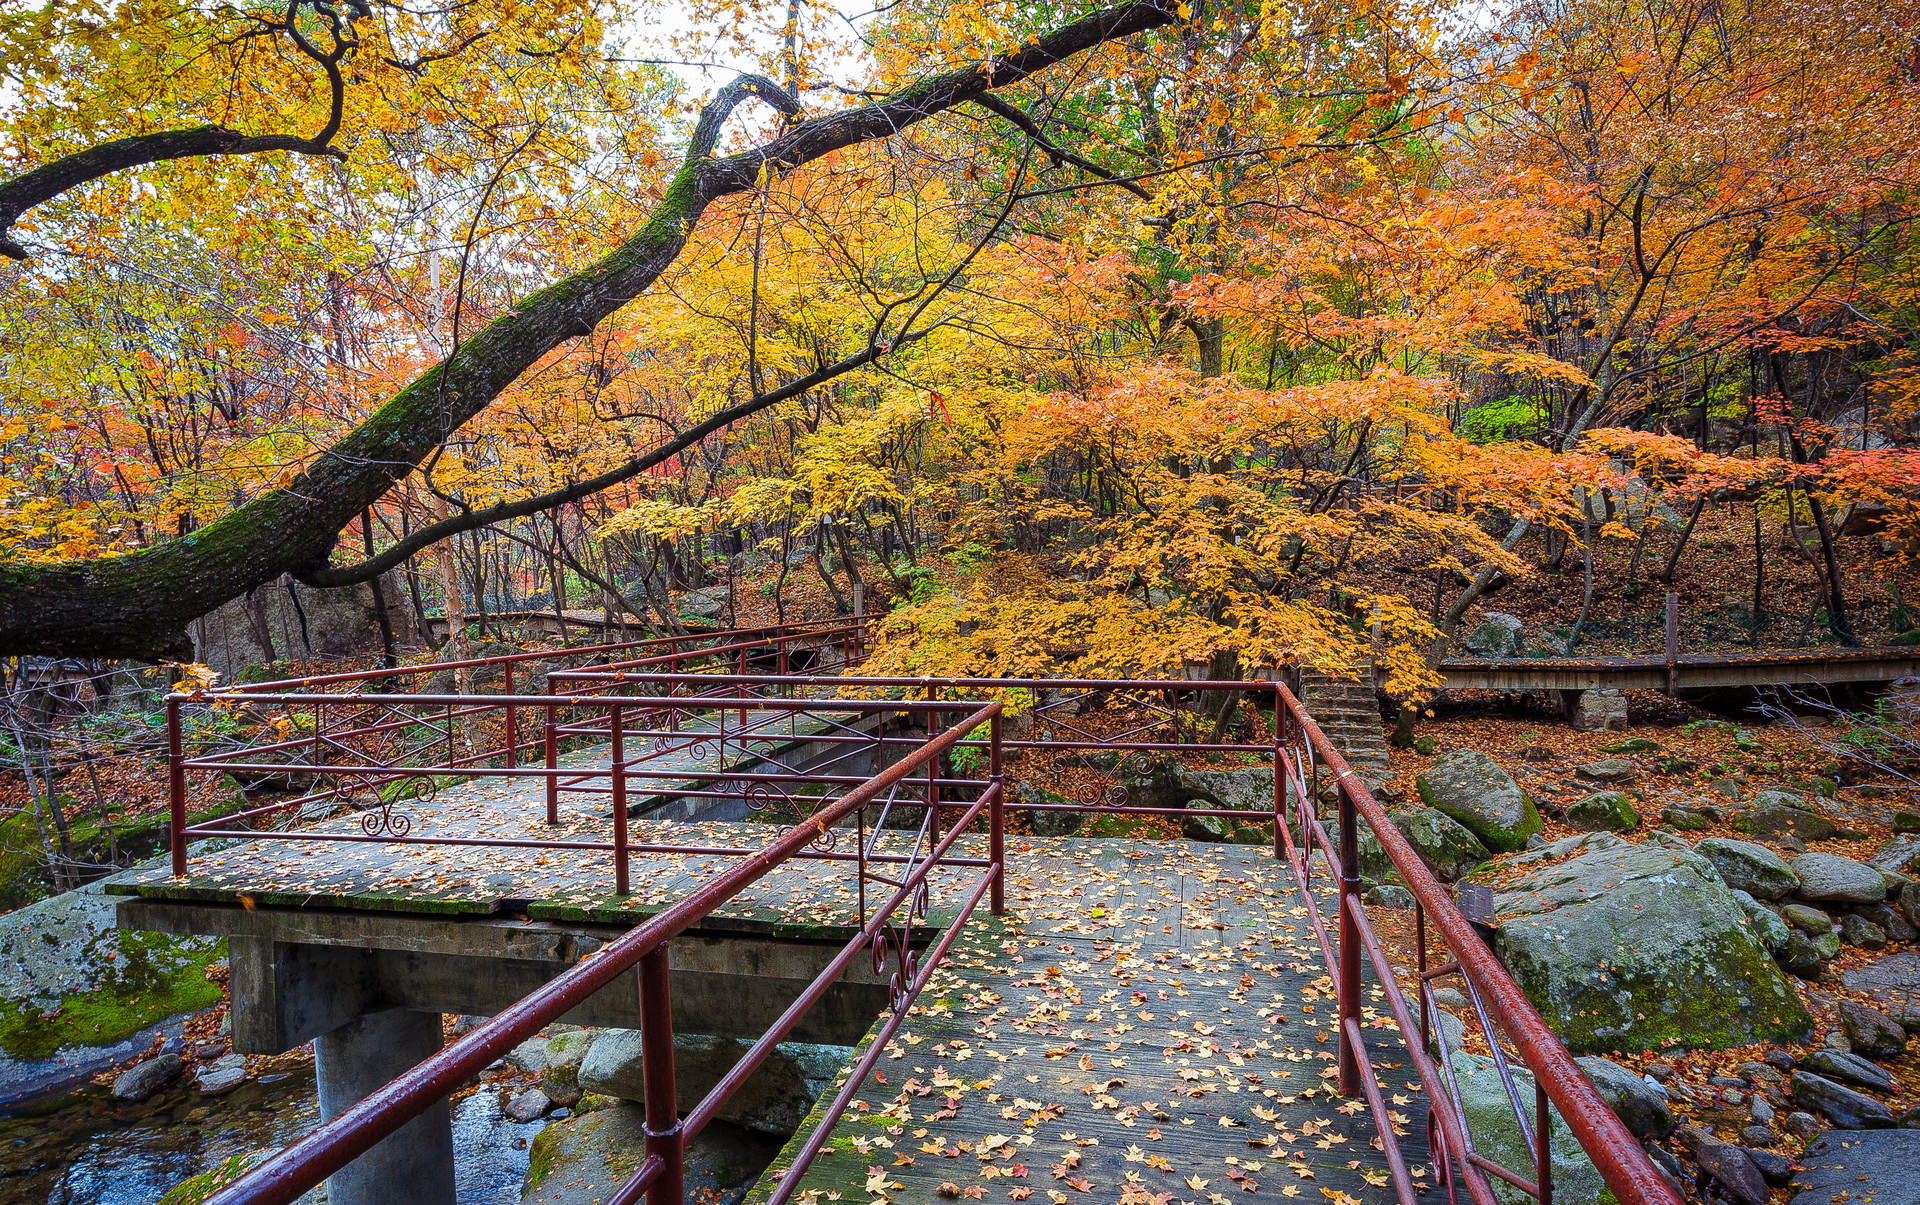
(414, 1164)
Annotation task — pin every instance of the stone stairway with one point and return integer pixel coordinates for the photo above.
(1346, 711)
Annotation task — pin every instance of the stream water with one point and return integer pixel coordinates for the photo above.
(91, 1151)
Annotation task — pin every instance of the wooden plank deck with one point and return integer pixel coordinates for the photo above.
(1149, 1024)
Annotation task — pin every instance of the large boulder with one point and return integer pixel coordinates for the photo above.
(1498, 635)
(78, 994)
(774, 1100)
(1785, 820)
(1249, 789)
(1829, 877)
(1746, 866)
(1639, 947)
(1838, 1103)
(1374, 862)
(1877, 1167)
(1470, 787)
(584, 1159)
(1049, 823)
(1497, 1136)
(1450, 851)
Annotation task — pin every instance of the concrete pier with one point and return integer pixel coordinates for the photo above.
(415, 1163)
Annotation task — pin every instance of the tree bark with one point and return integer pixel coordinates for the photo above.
(138, 605)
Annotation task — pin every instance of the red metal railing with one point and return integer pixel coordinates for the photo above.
(885, 932)
(665, 705)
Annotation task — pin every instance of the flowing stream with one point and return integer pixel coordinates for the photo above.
(89, 1151)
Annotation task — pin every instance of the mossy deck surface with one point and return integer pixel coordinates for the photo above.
(1149, 1024)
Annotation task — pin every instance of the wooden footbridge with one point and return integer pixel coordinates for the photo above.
(1154, 1021)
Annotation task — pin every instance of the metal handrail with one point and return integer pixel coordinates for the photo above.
(305, 1163)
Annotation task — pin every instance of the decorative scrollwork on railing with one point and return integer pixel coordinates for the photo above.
(898, 942)
(381, 796)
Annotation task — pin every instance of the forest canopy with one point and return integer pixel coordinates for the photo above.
(1121, 340)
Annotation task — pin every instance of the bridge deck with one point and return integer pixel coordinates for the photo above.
(1150, 1018)
(1692, 671)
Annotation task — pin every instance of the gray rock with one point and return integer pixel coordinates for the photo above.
(1800, 956)
(1389, 895)
(1600, 711)
(216, 1078)
(1049, 823)
(1205, 828)
(1828, 944)
(584, 1159)
(1591, 843)
(1608, 769)
(1829, 877)
(1640, 1105)
(142, 1081)
(559, 1079)
(530, 1105)
(1871, 1032)
(1603, 811)
(1910, 903)
(529, 1056)
(1497, 635)
(1489, 1115)
(1774, 1167)
(774, 1100)
(1450, 851)
(1801, 1125)
(1685, 820)
(1856, 1167)
(1730, 1168)
(1777, 798)
(1766, 923)
(1840, 1104)
(1782, 820)
(1750, 867)
(1374, 862)
(1859, 931)
(1807, 919)
(1468, 786)
(1848, 1068)
(1245, 790)
(1891, 920)
(1635, 948)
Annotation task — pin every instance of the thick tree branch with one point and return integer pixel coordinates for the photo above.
(42, 184)
(138, 605)
(1057, 153)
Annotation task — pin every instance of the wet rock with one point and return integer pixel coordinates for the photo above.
(1783, 820)
(1749, 867)
(140, 1082)
(1801, 1125)
(1848, 1068)
(1603, 811)
(1829, 877)
(584, 1159)
(1449, 850)
(1468, 786)
(1049, 823)
(1216, 829)
(1766, 923)
(1497, 635)
(1637, 947)
(529, 1056)
(1859, 931)
(1776, 1169)
(1858, 1167)
(224, 1076)
(1807, 919)
(530, 1105)
(1497, 1136)
(1838, 1103)
(774, 1100)
(1800, 956)
(1736, 1175)
(1608, 769)
(1891, 920)
(1640, 1106)
(1872, 1032)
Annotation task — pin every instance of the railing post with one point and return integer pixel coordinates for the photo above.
(1349, 985)
(934, 766)
(551, 738)
(619, 760)
(176, 789)
(1673, 644)
(997, 822)
(513, 729)
(1279, 773)
(656, 1060)
(1543, 1133)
